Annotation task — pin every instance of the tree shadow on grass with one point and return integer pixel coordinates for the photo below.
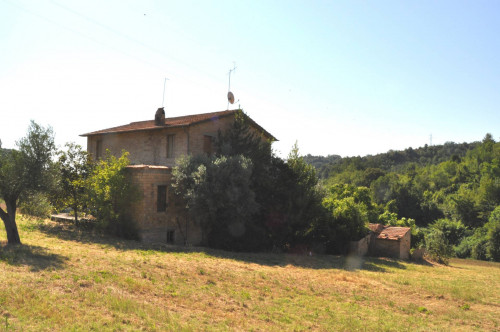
(37, 258)
(69, 232)
(339, 262)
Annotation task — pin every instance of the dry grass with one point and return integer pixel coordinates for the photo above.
(65, 279)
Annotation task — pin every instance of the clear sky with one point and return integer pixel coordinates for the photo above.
(339, 77)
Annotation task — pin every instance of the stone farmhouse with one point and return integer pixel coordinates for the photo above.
(154, 146)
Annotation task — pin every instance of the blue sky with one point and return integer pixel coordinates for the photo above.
(339, 77)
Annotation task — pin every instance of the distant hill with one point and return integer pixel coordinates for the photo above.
(320, 161)
(391, 160)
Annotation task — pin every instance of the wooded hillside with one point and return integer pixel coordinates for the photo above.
(452, 188)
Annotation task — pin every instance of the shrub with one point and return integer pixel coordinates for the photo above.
(344, 223)
(111, 194)
(437, 246)
(36, 204)
(473, 246)
(453, 231)
(493, 246)
(493, 235)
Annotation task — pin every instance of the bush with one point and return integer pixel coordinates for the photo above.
(453, 231)
(493, 235)
(36, 204)
(110, 196)
(437, 246)
(344, 223)
(473, 246)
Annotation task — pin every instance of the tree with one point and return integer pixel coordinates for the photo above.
(295, 203)
(217, 193)
(437, 246)
(24, 170)
(111, 194)
(75, 166)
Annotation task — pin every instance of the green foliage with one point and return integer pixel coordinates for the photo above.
(473, 246)
(245, 189)
(36, 204)
(437, 246)
(25, 171)
(361, 196)
(391, 219)
(74, 166)
(493, 235)
(111, 194)
(216, 190)
(300, 201)
(37, 149)
(453, 187)
(453, 231)
(344, 222)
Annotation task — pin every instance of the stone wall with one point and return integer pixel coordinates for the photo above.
(360, 248)
(155, 225)
(390, 247)
(404, 246)
(149, 147)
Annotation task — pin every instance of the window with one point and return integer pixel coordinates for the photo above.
(208, 146)
(161, 204)
(98, 149)
(170, 236)
(170, 146)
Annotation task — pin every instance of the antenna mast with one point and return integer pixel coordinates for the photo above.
(164, 85)
(230, 96)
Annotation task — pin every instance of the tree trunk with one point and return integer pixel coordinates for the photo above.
(9, 220)
(75, 208)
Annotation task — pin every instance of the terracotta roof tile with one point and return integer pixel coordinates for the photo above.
(179, 121)
(389, 232)
(148, 166)
(377, 228)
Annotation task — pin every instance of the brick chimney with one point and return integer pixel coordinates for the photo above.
(160, 117)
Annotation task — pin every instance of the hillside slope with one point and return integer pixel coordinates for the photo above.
(67, 279)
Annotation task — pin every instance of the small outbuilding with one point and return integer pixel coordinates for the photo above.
(390, 241)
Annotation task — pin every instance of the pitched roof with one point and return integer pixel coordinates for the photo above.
(179, 121)
(389, 232)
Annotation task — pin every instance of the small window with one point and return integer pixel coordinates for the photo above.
(161, 204)
(170, 236)
(208, 144)
(98, 149)
(170, 146)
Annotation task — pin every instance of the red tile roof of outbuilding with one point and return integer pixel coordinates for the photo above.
(389, 232)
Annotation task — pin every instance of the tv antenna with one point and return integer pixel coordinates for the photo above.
(230, 95)
(164, 85)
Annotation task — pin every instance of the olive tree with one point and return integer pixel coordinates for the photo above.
(24, 170)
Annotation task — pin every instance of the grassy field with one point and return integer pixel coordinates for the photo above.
(65, 279)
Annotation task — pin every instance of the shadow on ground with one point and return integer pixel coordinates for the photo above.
(37, 258)
(69, 232)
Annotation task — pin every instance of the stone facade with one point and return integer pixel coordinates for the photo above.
(160, 218)
(153, 147)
